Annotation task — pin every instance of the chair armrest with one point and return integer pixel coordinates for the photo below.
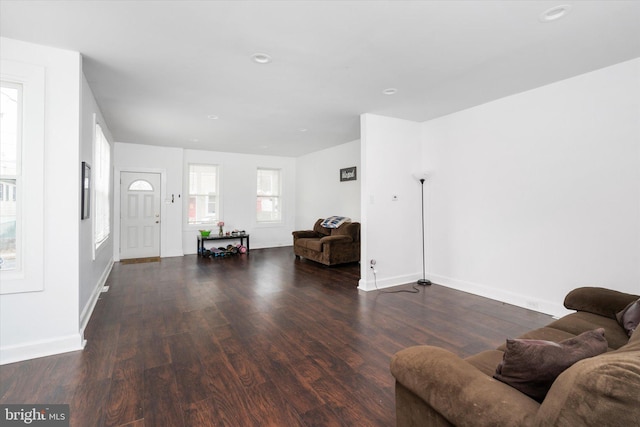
(460, 392)
(337, 238)
(601, 301)
(301, 234)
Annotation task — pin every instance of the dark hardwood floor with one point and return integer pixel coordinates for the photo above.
(252, 340)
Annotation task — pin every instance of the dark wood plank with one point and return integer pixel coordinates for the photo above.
(90, 394)
(254, 340)
(161, 404)
(192, 384)
(203, 414)
(126, 397)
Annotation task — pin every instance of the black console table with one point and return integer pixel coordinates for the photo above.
(201, 240)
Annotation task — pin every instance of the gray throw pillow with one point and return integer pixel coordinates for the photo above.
(629, 317)
(532, 366)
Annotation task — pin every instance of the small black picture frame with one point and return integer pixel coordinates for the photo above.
(86, 191)
(348, 174)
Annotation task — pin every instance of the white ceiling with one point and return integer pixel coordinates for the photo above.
(159, 68)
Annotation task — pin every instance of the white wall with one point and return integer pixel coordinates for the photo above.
(390, 155)
(319, 192)
(538, 193)
(168, 162)
(238, 186)
(93, 272)
(34, 324)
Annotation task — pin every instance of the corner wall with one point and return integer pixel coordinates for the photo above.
(35, 324)
(93, 272)
(391, 230)
(539, 193)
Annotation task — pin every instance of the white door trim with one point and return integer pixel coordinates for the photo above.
(117, 207)
(140, 216)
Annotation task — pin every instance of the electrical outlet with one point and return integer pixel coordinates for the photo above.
(533, 305)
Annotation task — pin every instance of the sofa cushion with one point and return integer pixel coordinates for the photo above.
(318, 228)
(313, 244)
(629, 317)
(531, 366)
(486, 361)
(305, 234)
(577, 323)
(605, 302)
(351, 229)
(544, 333)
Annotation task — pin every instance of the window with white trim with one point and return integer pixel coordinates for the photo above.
(102, 178)
(204, 197)
(22, 99)
(10, 171)
(268, 205)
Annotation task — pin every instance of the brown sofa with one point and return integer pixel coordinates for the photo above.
(328, 246)
(435, 387)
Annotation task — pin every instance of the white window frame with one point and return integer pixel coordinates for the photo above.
(16, 177)
(101, 177)
(216, 193)
(278, 196)
(29, 273)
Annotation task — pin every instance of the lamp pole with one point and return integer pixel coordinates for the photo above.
(424, 281)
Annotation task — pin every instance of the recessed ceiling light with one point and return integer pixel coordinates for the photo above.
(212, 117)
(303, 129)
(194, 140)
(555, 13)
(390, 91)
(261, 58)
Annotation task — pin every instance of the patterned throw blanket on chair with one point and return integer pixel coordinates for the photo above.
(335, 221)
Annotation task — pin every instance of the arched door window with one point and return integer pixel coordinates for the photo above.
(140, 185)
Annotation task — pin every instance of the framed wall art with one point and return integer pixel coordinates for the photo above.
(86, 191)
(348, 174)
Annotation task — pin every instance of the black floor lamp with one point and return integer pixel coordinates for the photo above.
(424, 281)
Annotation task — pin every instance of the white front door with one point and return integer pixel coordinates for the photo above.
(139, 215)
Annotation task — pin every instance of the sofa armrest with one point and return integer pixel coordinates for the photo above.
(337, 238)
(302, 234)
(458, 391)
(601, 301)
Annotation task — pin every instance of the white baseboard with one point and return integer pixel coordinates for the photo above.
(87, 310)
(267, 245)
(170, 254)
(371, 284)
(519, 300)
(35, 349)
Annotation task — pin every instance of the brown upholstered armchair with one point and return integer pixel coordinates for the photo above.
(328, 246)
